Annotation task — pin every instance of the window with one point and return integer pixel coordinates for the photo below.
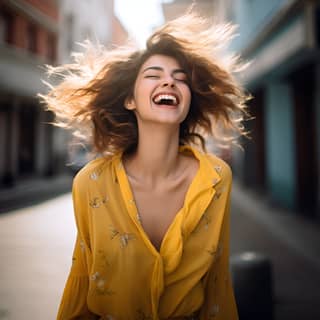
(52, 47)
(31, 44)
(6, 23)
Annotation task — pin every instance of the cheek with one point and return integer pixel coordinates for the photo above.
(187, 96)
(142, 93)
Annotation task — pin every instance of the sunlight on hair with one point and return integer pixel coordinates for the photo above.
(88, 95)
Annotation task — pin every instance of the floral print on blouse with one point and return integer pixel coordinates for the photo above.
(118, 274)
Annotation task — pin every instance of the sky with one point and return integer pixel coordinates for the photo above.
(139, 17)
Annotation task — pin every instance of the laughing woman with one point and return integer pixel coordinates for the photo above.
(152, 210)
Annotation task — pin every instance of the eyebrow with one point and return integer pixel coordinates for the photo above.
(156, 68)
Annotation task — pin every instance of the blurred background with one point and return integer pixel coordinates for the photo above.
(276, 194)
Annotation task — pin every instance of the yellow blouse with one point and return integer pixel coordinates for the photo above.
(117, 274)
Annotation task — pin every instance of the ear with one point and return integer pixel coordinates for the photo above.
(130, 104)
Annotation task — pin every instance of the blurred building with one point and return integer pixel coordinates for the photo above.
(175, 8)
(119, 34)
(80, 20)
(34, 33)
(28, 39)
(281, 39)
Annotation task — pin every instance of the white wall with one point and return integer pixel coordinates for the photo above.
(83, 19)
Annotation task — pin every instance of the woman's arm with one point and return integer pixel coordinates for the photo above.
(74, 300)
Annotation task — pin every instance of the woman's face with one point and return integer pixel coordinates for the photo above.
(161, 92)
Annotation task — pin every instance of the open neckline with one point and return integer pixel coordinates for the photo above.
(133, 210)
(198, 197)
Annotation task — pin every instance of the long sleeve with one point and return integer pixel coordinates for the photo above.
(219, 301)
(74, 300)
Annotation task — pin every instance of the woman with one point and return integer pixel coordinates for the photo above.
(152, 211)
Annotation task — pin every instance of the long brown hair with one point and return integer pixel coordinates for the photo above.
(91, 96)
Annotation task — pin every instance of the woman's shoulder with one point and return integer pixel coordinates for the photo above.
(220, 166)
(92, 170)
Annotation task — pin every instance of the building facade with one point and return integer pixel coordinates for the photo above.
(173, 9)
(280, 38)
(34, 33)
(84, 20)
(28, 40)
(119, 34)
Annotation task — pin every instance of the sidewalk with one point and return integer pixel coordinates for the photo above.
(36, 244)
(33, 191)
(291, 242)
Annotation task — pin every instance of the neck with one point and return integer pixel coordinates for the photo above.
(157, 154)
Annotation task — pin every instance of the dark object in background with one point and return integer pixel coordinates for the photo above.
(252, 283)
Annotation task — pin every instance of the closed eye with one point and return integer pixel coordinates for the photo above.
(182, 79)
(180, 76)
(151, 76)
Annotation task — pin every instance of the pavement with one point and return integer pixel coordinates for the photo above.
(32, 191)
(36, 245)
(290, 242)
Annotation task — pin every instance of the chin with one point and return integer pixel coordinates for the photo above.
(169, 121)
(163, 118)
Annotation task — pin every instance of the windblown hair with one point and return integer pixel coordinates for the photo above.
(94, 89)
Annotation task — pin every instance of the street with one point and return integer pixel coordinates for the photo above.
(36, 246)
(35, 253)
(290, 242)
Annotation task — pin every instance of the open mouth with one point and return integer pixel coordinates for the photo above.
(166, 99)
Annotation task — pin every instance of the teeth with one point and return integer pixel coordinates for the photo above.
(165, 97)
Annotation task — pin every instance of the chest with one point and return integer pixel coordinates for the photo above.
(158, 208)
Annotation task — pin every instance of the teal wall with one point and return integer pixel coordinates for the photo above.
(280, 150)
(252, 16)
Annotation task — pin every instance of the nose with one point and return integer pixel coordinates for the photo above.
(168, 82)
